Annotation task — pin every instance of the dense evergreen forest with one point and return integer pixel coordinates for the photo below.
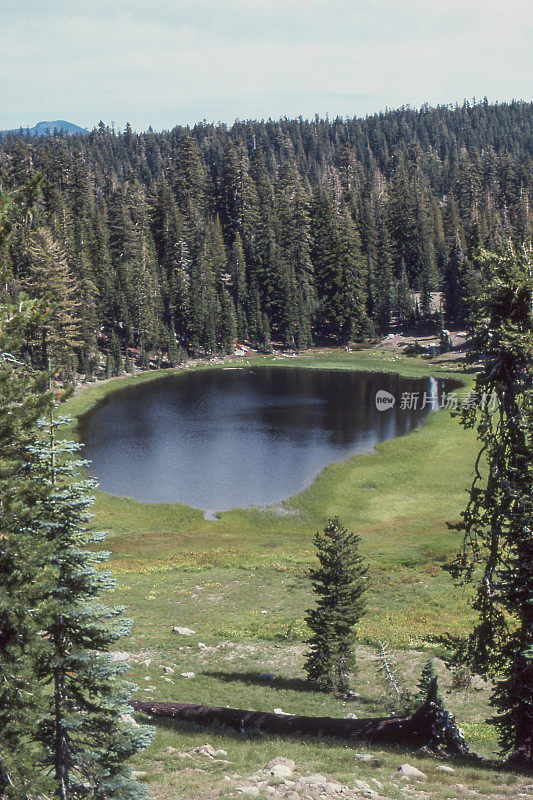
(154, 246)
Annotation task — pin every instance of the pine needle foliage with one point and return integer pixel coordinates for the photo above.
(497, 525)
(339, 583)
(65, 726)
(85, 728)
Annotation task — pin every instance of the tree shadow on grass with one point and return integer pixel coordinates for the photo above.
(328, 742)
(256, 679)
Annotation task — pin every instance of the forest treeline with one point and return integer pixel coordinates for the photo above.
(300, 232)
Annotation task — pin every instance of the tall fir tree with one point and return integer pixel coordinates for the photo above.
(339, 583)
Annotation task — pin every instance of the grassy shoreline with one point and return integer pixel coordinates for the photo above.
(398, 498)
(240, 584)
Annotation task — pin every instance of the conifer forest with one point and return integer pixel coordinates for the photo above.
(157, 246)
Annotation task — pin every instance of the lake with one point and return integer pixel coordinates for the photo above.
(223, 438)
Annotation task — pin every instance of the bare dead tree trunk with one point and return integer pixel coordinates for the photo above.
(431, 726)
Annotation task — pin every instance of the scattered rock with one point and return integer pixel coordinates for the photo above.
(290, 795)
(184, 755)
(365, 788)
(313, 780)
(377, 783)
(168, 680)
(364, 756)
(351, 715)
(282, 713)
(128, 718)
(445, 768)
(147, 678)
(281, 761)
(120, 655)
(188, 674)
(253, 791)
(333, 787)
(139, 774)
(281, 771)
(407, 771)
(209, 751)
(202, 646)
(147, 662)
(267, 676)
(169, 670)
(465, 790)
(183, 631)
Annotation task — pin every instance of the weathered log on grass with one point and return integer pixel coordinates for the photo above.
(431, 726)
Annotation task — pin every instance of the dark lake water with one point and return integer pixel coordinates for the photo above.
(222, 438)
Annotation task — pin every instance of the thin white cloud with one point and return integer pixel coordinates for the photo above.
(164, 63)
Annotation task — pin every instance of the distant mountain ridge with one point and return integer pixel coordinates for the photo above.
(48, 129)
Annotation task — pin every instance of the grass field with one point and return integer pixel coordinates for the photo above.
(240, 583)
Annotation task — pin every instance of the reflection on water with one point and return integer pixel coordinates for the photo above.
(218, 439)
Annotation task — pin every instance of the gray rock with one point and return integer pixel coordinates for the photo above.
(313, 780)
(364, 756)
(183, 631)
(292, 795)
(408, 771)
(365, 788)
(169, 670)
(267, 676)
(281, 760)
(188, 675)
(351, 715)
(445, 768)
(120, 655)
(252, 791)
(333, 787)
(281, 771)
(129, 718)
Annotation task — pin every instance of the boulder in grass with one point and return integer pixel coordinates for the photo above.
(281, 761)
(408, 771)
(183, 631)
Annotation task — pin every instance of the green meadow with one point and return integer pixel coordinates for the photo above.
(240, 583)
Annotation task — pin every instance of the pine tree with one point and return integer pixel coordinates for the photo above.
(340, 583)
(497, 549)
(22, 403)
(49, 277)
(62, 701)
(84, 729)
(427, 676)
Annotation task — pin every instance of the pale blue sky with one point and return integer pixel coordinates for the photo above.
(168, 62)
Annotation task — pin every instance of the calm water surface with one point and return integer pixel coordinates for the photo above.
(223, 438)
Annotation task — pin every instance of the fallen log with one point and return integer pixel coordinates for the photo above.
(430, 726)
